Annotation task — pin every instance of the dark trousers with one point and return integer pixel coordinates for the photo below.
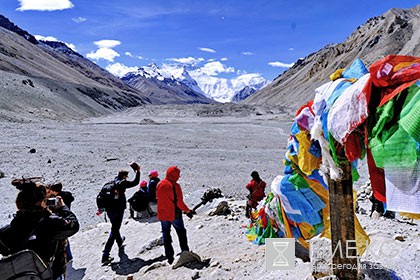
(178, 224)
(116, 218)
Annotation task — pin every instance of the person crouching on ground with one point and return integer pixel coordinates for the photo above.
(170, 204)
(36, 228)
(139, 202)
(256, 193)
(115, 212)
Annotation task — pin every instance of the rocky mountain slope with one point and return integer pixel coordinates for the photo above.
(395, 32)
(49, 80)
(65, 78)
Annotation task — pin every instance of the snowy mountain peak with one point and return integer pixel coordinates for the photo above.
(218, 89)
(151, 71)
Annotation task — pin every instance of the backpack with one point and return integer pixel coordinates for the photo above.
(24, 265)
(139, 201)
(107, 196)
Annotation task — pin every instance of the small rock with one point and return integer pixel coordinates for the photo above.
(214, 264)
(399, 238)
(49, 161)
(200, 226)
(196, 275)
(32, 151)
(153, 266)
(376, 215)
(186, 257)
(1, 174)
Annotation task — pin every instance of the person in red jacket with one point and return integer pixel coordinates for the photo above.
(170, 205)
(256, 192)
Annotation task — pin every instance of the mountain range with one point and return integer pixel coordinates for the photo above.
(49, 80)
(395, 32)
(186, 75)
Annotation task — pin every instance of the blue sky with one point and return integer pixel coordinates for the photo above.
(248, 36)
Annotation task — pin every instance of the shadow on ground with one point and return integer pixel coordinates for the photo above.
(129, 266)
(374, 270)
(74, 274)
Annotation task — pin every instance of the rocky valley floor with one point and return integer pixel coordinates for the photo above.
(215, 147)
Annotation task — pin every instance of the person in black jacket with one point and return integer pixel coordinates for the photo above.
(57, 190)
(36, 228)
(115, 212)
(153, 182)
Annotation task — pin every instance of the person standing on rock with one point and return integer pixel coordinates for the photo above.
(256, 192)
(170, 204)
(115, 212)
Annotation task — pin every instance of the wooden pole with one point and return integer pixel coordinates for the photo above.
(343, 241)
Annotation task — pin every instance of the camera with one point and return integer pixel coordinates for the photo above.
(134, 165)
(51, 202)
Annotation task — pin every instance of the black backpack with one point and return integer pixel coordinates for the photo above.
(24, 265)
(107, 197)
(139, 201)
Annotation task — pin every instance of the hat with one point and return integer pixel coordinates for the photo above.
(143, 184)
(57, 187)
(122, 173)
(255, 175)
(153, 173)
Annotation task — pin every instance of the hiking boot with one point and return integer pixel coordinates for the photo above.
(377, 206)
(171, 260)
(106, 260)
(389, 214)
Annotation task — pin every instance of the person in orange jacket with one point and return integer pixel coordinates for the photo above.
(256, 192)
(170, 205)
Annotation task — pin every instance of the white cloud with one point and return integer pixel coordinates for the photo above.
(109, 44)
(78, 19)
(207, 50)
(224, 59)
(103, 53)
(128, 54)
(280, 64)
(53, 39)
(187, 60)
(216, 67)
(105, 50)
(140, 57)
(247, 53)
(291, 49)
(119, 69)
(44, 5)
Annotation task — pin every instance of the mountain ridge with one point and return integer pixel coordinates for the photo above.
(53, 68)
(214, 88)
(397, 31)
